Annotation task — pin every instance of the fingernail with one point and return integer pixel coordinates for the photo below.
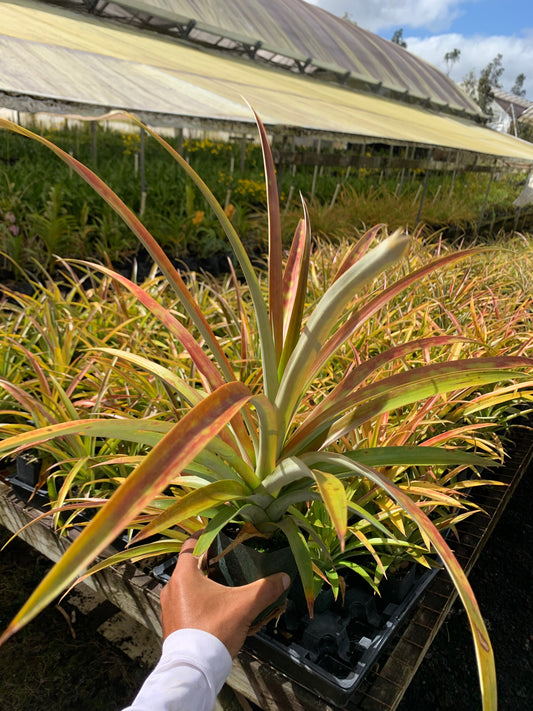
(285, 580)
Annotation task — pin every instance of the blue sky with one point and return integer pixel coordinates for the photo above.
(481, 29)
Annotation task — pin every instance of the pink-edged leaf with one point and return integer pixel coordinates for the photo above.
(357, 250)
(190, 394)
(268, 353)
(147, 432)
(35, 364)
(437, 441)
(357, 374)
(166, 460)
(292, 271)
(295, 287)
(75, 505)
(497, 397)
(484, 655)
(418, 456)
(194, 503)
(301, 366)
(275, 294)
(28, 402)
(204, 364)
(148, 550)
(374, 305)
(403, 389)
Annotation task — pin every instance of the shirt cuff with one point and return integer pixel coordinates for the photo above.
(202, 650)
(189, 676)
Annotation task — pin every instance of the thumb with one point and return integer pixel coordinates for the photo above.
(257, 596)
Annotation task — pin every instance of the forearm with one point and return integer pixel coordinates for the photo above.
(193, 668)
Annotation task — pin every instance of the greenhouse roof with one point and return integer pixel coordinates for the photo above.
(59, 60)
(298, 36)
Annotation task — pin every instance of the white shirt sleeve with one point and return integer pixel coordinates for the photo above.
(191, 672)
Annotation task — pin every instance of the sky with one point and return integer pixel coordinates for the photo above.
(480, 29)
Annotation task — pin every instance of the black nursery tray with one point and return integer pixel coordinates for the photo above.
(332, 653)
(28, 494)
(337, 648)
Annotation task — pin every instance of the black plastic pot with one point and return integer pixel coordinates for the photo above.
(244, 564)
(25, 479)
(28, 468)
(241, 565)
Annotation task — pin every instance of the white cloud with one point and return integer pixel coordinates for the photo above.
(434, 15)
(437, 16)
(476, 53)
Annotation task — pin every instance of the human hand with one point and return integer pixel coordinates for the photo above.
(191, 601)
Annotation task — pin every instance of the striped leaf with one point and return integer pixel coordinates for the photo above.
(300, 368)
(166, 460)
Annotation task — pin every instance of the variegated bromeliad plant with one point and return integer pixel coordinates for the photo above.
(259, 448)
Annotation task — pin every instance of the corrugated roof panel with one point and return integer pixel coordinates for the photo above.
(70, 57)
(71, 75)
(298, 28)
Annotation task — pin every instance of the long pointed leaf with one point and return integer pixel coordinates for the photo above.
(275, 295)
(406, 388)
(383, 298)
(148, 550)
(194, 503)
(333, 495)
(198, 356)
(358, 374)
(300, 368)
(295, 287)
(302, 556)
(148, 432)
(263, 323)
(191, 395)
(421, 456)
(186, 439)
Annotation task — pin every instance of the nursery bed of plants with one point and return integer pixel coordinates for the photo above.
(73, 301)
(54, 213)
(345, 401)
